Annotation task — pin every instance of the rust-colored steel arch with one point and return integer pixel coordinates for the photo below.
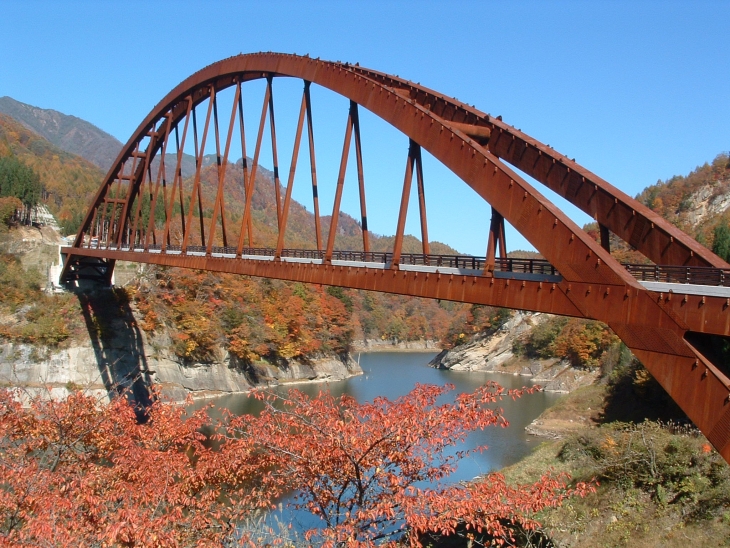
(479, 149)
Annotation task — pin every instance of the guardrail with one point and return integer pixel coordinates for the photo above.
(699, 275)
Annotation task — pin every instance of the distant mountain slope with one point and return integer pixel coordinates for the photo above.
(68, 133)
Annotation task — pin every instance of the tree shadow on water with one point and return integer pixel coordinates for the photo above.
(118, 344)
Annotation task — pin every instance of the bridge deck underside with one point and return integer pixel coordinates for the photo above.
(516, 290)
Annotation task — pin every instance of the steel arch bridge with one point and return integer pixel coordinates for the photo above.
(147, 212)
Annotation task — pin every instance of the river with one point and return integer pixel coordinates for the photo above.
(393, 374)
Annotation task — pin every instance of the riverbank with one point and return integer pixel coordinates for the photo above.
(659, 482)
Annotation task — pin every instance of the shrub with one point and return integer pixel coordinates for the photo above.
(674, 465)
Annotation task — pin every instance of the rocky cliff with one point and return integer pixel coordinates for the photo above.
(116, 365)
(492, 351)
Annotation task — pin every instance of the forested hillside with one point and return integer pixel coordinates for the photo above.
(69, 181)
(697, 203)
(693, 202)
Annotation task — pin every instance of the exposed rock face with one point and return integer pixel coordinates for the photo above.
(118, 365)
(705, 202)
(562, 377)
(35, 247)
(492, 352)
(391, 345)
(487, 351)
(203, 380)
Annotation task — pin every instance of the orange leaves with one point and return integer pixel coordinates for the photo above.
(79, 474)
(76, 473)
(360, 467)
(583, 342)
(487, 505)
(251, 318)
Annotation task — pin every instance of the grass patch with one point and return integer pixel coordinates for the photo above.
(585, 401)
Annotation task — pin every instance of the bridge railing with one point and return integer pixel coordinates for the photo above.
(528, 266)
(699, 275)
(696, 275)
(468, 262)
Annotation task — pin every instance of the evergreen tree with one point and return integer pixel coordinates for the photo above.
(20, 181)
(721, 243)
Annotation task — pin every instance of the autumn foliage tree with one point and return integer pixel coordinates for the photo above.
(9, 207)
(363, 469)
(248, 317)
(583, 342)
(77, 473)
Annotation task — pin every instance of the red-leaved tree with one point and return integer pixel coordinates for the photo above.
(78, 473)
(361, 467)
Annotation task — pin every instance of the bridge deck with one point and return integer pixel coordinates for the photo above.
(687, 280)
(688, 289)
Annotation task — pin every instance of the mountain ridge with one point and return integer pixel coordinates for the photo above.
(69, 133)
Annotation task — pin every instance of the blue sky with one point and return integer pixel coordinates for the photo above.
(635, 91)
